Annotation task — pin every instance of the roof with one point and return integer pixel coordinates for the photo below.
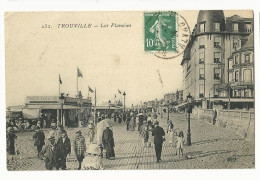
(249, 43)
(51, 106)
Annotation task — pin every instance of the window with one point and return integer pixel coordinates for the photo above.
(216, 87)
(236, 76)
(235, 27)
(217, 57)
(247, 75)
(201, 91)
(202, 27)
(248, 27)
(201, 58)
(202, 42)
(236, 59)
(217, 41)
(217, 73)
(216, 26)
(247, 58)
(201, 73)
(236, 44)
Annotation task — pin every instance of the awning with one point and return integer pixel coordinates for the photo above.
(51, 106)
(232, 99)
(106, 107)
(31, 113)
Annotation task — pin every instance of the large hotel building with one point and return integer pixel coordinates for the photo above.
(218, 62)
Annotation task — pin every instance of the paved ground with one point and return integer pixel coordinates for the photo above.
(212, 147)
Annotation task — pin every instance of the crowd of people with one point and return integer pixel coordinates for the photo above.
(59, 145)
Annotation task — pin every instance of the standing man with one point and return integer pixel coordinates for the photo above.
(128, 119)
(39, 138)
(51, 154)
(158, 134)
(64, 148)
(79, 147)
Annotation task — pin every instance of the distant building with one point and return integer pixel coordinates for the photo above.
(206, 58)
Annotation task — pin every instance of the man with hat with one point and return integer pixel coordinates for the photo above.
(39, 138)
(10, 140)
(64, 148)
(158, 134)
(50, 152)
(79, 147)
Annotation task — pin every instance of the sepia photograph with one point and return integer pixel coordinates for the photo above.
(129, 90)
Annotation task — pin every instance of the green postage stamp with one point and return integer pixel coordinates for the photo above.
(160, 31)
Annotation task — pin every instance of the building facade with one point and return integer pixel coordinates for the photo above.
(206, 58)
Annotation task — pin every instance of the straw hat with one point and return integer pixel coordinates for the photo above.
(93, 149)
(51, 138)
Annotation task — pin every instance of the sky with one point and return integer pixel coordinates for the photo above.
(109, 58)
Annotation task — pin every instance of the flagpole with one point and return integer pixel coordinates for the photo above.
(88, 91)
(59, 86)
(95, 118)
(77, 81)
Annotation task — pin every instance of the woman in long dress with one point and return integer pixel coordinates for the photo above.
(171, 133)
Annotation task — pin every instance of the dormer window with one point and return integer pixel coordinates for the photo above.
(202, 27)
(216, 26)
(235, 27)
(249, 27)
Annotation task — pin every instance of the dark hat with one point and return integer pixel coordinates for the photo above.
(63, 132)
(78, 131)
(156, 123)
(37, 128)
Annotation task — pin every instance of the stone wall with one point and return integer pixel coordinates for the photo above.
(238, 121)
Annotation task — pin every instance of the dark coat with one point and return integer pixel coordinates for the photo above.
(63, 148)
(39, 138)
(10, 138)
(158, 134)
(108, 139)
(51, 156)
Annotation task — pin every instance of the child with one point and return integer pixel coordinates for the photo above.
(91, 131)
(179, 142)
(92, 160)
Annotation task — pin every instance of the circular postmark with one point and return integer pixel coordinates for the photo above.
(167, 34)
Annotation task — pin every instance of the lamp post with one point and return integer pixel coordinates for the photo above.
(161, 111)
(209, 96)
(168, 104)
(62, 99)
(108, 112)
(189, 110)
(124, 94)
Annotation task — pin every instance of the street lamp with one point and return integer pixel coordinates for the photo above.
(108, 112)
(161, 111)
(209, 96)
(189, 110)
(124, 94)
(168, 105)
(62, 99)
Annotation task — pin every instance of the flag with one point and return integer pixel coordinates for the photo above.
(79, 73)
(60, 80)
(90, 90)
(119, 91)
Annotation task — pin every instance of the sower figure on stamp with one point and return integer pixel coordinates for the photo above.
(50, 153)
(108, 142)
(64, 148)
(39, 138)
(158, 134)
(79, 147)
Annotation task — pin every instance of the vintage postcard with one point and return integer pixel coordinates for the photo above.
(130, 90)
